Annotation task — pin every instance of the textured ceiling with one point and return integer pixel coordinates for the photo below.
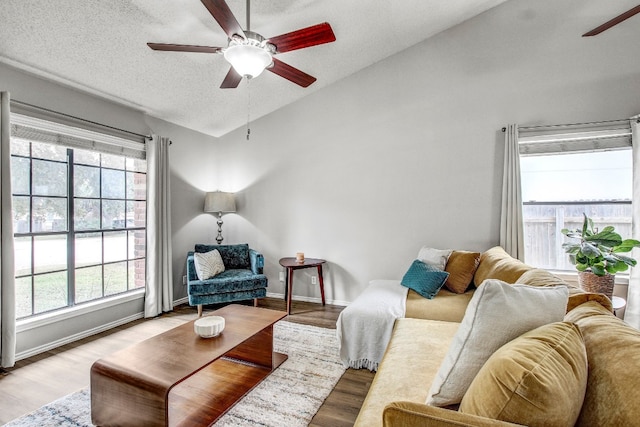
(100, 47)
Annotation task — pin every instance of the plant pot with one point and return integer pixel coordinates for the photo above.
(589, 282)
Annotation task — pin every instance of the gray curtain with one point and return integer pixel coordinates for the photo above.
(511, 223)
(159, 287)
(632, 311)
(8, 288)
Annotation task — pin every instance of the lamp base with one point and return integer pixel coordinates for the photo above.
(219, 239)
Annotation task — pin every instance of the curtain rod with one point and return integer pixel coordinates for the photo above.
(25, 104)
(504, 129)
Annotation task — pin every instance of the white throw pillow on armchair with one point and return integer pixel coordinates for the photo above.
(208, 264)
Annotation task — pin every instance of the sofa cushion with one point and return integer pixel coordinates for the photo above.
(411, 360)
(496, 263)
(233, 256)
(446, 306)
(436, 257)
(577, 299)
(538, 379)
(497, 313)
(228, 281)
(540, 277)
(613, 352)
(208, 264)
(225, 297)
(424, 278)
(461, 267)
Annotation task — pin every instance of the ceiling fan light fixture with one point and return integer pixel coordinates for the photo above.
(250, 56)
(248, 53)
(248, 61)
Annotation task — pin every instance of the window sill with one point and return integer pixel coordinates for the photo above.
(571, 277)
(39, 320)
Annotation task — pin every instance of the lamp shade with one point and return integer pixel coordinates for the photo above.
(248, 60)
(218, 201)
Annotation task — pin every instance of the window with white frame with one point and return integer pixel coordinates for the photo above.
(79, 215)
(569, 171)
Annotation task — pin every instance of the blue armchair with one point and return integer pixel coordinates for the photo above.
(242, 279)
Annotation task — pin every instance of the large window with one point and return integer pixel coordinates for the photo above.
(564, 178)
(79, 219)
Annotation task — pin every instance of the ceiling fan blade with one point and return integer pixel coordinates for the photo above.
(184, 48)
(615, 21)
(290, 73)
(231, 80)
(305, 37)
(223, 15)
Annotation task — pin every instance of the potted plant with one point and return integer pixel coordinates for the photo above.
(597, 256)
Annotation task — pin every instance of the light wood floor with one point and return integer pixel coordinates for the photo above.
(48, 376)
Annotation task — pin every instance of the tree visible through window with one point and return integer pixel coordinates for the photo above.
(79, 220)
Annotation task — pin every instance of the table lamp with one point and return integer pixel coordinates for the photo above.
(220, 202)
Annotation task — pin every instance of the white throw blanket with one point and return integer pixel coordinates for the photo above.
(364, 327)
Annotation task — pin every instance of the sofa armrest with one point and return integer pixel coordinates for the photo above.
(411, 414)
(257, 261)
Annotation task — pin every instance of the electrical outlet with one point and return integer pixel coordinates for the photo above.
(314, 280)
(184, 280)
(282, 276)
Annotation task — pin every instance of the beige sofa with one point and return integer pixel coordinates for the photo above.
(421, 340)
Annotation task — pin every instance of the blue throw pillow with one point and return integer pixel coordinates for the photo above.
(424, 278)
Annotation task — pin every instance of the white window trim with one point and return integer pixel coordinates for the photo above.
(53, 132)
(557, 139)
(26, 127)
(573, 138)
(571, 277)
(44, 319)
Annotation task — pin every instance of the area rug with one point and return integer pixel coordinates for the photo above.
(290, 396)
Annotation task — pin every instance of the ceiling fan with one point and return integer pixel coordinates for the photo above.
(615, 21)
(249, 53)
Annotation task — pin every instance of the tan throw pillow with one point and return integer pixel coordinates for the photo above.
(538, 379)
(461, 267)
(208, 264)
(497, 313)
(496, 263)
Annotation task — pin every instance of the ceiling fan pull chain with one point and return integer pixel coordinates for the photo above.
(248, 108)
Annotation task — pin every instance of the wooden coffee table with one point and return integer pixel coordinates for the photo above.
(179, 379)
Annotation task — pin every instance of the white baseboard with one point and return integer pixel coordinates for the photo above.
(309, 299)
(181, 301)
(185, 300)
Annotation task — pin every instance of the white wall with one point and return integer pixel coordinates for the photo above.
(409, 151)
(33, 90)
